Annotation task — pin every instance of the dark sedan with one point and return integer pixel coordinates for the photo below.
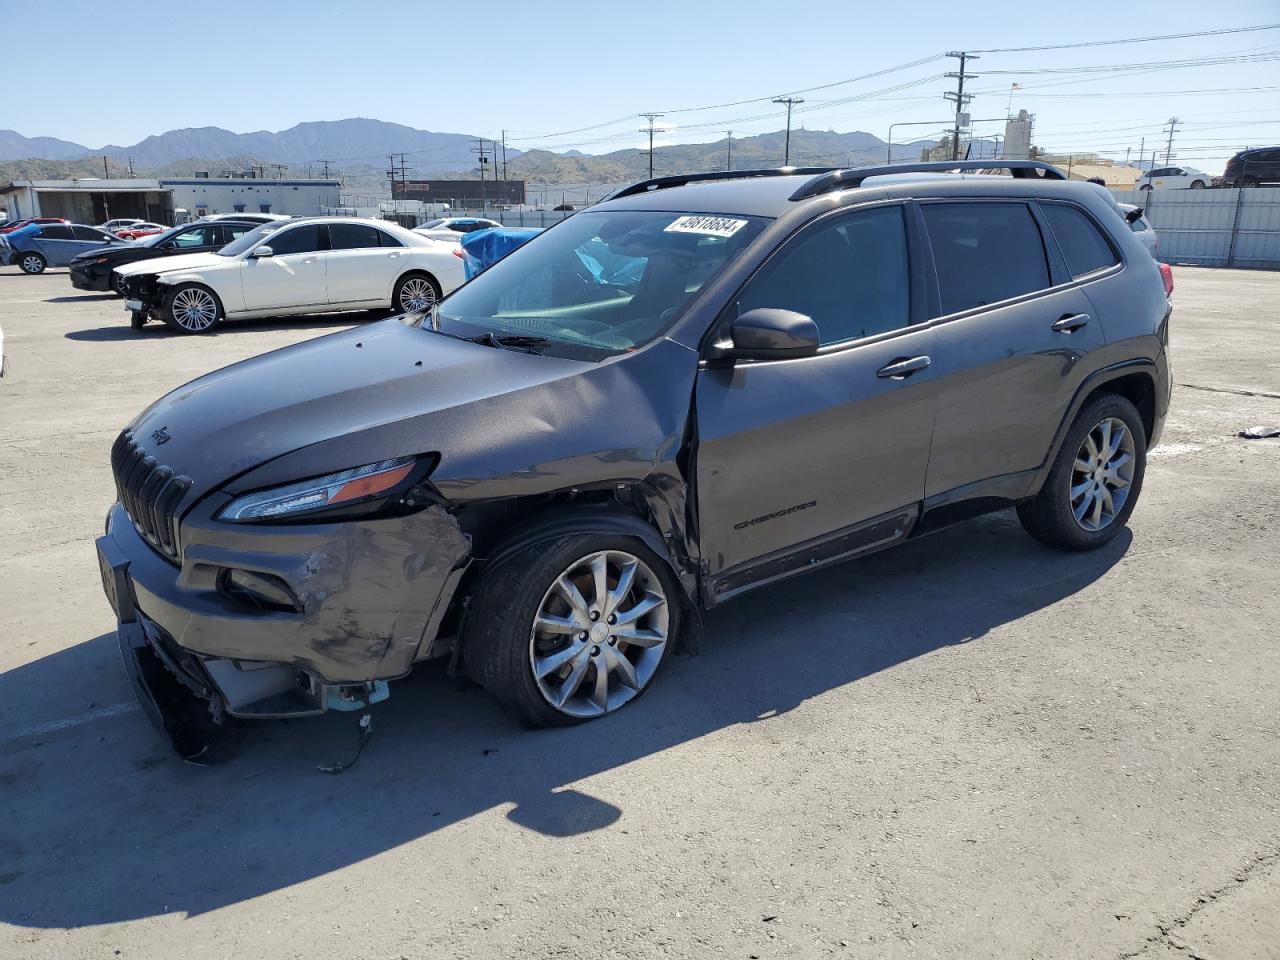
(94, 270)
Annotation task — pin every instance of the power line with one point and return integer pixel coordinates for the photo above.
(1109, 43)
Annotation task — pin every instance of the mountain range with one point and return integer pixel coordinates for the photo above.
(359, 148)
(355, 140)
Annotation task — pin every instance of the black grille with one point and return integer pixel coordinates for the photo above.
(149, 492)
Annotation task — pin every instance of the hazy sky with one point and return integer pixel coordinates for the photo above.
(117, 72)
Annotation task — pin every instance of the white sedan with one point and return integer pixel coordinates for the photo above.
(454, 228)
(300, 266)
(1174, 178)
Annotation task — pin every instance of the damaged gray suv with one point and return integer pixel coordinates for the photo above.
(699, 387)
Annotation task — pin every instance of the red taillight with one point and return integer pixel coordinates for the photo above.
(457, 252)
(1166, 274)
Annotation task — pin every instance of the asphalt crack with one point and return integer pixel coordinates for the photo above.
(1167, 933)
(1231, 390)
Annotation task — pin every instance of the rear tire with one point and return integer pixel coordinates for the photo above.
(415, 292)
(529, 645)
(32, 263)
(1095, 479)
(1145, 186)
(1197, 184)
(192, 308)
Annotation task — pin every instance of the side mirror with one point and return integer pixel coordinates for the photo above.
(262, 251)
(1133, 216)
(768, 333)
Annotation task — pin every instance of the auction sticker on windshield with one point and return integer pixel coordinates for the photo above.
(707, 226)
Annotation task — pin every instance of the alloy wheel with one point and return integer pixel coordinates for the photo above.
(599, 634)
(1102, 474)
(120, 284)
(32, 264)
(417, 294)
(194, 309)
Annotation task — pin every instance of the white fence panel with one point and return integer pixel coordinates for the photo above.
(1214, 228)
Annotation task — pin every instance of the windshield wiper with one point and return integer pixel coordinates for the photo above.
(516, 341)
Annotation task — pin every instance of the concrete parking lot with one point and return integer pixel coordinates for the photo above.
(971, 746)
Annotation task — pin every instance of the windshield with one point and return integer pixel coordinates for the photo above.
(601, 282)
(431, 224)
(247, 240)
(155, 238)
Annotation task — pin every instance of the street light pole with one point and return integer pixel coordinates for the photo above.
(790, 102)
(728, 163)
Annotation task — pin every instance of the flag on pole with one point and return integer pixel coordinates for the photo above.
(1017, 86)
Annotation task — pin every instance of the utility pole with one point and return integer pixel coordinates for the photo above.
(728, 162)
(326, 168)
(960, 98)
(131, 168)
(649, 130)
(790, 102)
(504, 155)
(1173, 128)
(480, 150)
(391, 173)
(105, 175)
(1142, 151)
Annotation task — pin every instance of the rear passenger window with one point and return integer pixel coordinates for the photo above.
(353, 236)
(984, 252)
(304, 239)
(53, 231)
(1081, 242)
(848, 275)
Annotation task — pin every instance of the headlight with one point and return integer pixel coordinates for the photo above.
(358, 485)
(100, 260)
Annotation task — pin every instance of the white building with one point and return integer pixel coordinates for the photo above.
(1017, 136)
(199, 196)
(171, 200)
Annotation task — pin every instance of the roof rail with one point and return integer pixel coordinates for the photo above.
(845, 179)
(679, 180)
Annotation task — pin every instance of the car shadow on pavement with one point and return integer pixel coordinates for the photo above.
(322, 321)
(82, 297)
(101, 823)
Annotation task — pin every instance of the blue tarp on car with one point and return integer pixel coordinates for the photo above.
(483, 248)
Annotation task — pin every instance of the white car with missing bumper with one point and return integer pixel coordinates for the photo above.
(300, 266)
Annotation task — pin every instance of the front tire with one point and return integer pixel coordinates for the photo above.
(192, 308)
(1145, 186)
(1197, 184)
(32, 263)
(415, 292)
(574, 629)
(1095, 480)
(118, 284)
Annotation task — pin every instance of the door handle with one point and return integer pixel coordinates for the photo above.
(1069, 322)
(310, 259)
(394, 255)
(901, 369)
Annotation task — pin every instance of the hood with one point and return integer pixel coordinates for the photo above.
(187, 261)
(96, 252)
(229, 421)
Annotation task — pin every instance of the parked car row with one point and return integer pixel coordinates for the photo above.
(95, 269)
(38, 246)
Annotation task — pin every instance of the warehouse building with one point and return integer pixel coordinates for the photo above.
(169, 200)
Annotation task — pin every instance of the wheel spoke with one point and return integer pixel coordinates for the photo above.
(1083, 466)
(626, 672)
(569, 590)
(554, 661)
(1118, 461)
(1107, 501)
(626, 578)
(599, 582)
(549, 623)
(1082, 507)
(636, 637)
(1116, 482)
(573, 681)
(1104, 430)
(1096, 519)
(1080, 488)
(600, 692)
(1113, 447)
(1091, 446)
(645, 605)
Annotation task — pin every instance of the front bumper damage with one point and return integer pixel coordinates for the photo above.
(371, 596)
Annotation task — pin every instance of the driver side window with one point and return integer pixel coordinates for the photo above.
(307, 238)
(849, 275)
